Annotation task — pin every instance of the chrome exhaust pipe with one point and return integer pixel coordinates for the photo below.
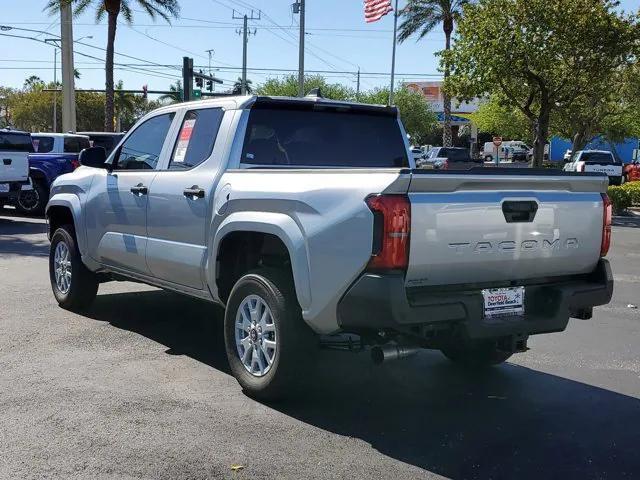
(380, 355)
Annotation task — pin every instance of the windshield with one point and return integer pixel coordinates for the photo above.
(323, 139)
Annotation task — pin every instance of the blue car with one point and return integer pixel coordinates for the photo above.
(54, 154)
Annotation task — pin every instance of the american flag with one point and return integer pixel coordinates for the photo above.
(374, 10)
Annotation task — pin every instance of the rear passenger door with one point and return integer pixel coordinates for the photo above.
(180, 204)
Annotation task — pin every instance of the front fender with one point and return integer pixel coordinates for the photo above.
(72, 203)
(278, 224)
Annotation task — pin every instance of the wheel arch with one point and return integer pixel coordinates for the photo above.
(278, 229)
(65, 208)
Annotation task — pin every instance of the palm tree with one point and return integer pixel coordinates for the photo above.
(237, 87)
(165, 9)
(123, 103)
(176, 93)
(421, 17)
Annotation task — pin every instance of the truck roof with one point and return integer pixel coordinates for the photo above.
(241, 102)
(47, 134)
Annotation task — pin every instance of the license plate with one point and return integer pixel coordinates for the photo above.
(4, 187)
(503, 302)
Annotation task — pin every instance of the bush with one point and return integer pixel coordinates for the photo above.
(620, 198)
(633, 188)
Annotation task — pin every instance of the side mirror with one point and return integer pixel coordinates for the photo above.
(94, 157)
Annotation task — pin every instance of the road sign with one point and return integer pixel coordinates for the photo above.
(497, 141)
(197, 94)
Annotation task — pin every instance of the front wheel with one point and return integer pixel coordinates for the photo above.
(267, 342)
(74, 285)
(32, 202)
(479, 354)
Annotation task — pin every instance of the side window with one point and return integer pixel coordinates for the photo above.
(141, 150)
(75, 144)
(196, 138)
(42, 144)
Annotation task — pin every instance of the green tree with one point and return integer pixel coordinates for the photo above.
(497, 117)
(6, 96)
(174, 95)
(540, 55)
(416, 114)
(124, 104)
(420, 17)
(237, 87)
(165, 9)
(288, 87)
(33, 83)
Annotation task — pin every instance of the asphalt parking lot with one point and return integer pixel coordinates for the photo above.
(138, 387)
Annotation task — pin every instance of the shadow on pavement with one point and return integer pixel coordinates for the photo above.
(631, 221)
(17, 236)
(507, 422)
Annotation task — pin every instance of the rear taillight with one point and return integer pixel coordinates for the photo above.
(606, 225)
(391, 229)
(75, 163)
(445, 165)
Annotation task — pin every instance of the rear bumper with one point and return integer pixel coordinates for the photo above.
(381, 302)
(14, 189)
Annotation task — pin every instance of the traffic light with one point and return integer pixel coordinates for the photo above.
(144, 91)
(199, 80)
(210, 85)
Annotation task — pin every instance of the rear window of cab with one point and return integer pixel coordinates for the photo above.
(15, 142)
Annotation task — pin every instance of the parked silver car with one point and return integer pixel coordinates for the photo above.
(307, 216)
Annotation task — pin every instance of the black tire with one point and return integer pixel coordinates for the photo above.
(33, 202)
(295, 340)
(476, 354)
(83, 284)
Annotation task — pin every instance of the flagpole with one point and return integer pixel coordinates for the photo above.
(393, 54)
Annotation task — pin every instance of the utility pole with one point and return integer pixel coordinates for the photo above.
(54, 42)
(358, 86)
(55, 95)
(299, 7)
(68, 87)
(393, 54)
(245, 40)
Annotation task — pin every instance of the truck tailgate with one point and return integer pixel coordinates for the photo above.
(14, 167)
(501, 227)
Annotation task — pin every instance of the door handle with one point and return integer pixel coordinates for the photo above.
(6, 161)
(139, 190)
(194, 192)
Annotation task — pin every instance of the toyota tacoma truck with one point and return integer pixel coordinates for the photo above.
(307, 219)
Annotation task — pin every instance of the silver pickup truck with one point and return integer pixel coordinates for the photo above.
(306, 218)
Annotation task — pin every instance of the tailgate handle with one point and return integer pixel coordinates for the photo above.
(519, 211)
(6, 161)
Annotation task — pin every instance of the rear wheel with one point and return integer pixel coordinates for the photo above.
(32, 202)
(266, 339)
(478, 354)
(74, 285)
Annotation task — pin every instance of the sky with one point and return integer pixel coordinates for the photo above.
(338, 41)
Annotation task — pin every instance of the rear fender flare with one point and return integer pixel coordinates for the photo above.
(278, 224)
